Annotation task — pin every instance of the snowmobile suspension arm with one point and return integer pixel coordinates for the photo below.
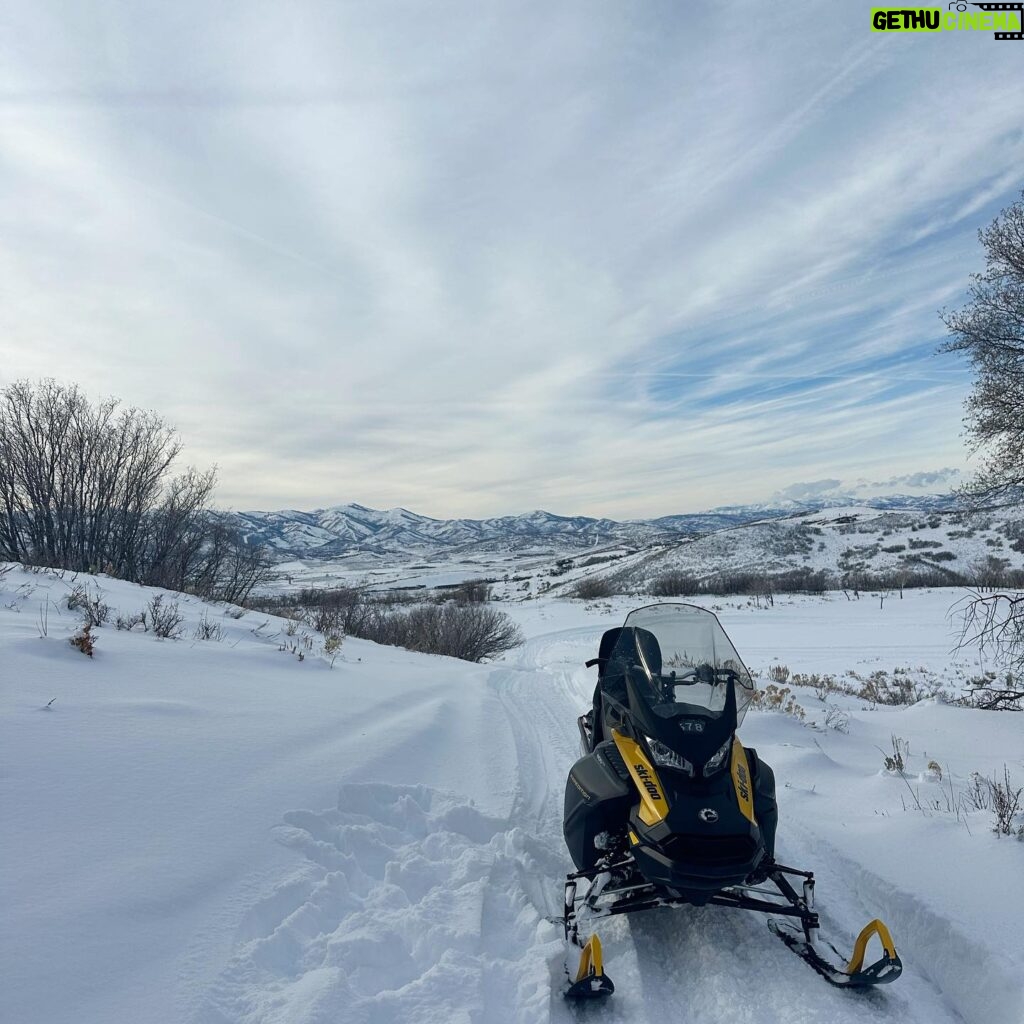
(738, 900)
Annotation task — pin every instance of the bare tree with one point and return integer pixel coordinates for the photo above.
(990, 330)
(87, 487)
(996, 623)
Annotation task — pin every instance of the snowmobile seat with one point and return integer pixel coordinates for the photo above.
(620, 652)
(647, 644)
(604, 651)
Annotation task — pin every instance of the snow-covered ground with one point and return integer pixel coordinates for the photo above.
(217, 832)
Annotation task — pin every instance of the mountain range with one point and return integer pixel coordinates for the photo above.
(344, 530)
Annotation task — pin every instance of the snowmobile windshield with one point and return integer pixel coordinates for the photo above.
(686, 658)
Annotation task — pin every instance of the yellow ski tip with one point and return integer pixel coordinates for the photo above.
(875, 927)
(591, 961)
(591, 980)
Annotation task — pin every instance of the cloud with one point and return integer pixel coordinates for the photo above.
(547, 255)
(936, 481)
(809, 490)
(945, 479)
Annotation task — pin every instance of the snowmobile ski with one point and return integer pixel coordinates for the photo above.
(854, 975)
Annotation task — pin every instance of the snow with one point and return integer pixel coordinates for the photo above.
(217, 832)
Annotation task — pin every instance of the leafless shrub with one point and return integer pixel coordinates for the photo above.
(332, 646)
(593, 587)
(896, 761)
(337, 610)
(207, 630)
(778, 698)
(165, 619)
(803, 581)
(93, 609)
(760, 586)
(469, 632)
(999, 796)
(676, 584)
(473, 592)
(992, 691)
(83, 640)
(823, 684)
(779, 673)
(129, 622)
(326, 618)
(899, 689)
(979, 792)
(836, 718)
(728, 583)
(4, 570)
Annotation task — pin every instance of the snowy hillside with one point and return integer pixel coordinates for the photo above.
(838, 542)
(214, 831)
(850, 539)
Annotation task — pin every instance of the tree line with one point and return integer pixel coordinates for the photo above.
(90, 487)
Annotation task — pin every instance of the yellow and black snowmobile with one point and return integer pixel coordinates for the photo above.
(666, 807)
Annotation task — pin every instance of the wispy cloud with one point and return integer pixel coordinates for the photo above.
(481, 260)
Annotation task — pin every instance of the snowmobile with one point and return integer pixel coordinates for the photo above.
(667, 808)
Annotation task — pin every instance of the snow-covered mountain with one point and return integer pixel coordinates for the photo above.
(348, 529)
(838, 542)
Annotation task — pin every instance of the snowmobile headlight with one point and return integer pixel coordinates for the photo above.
(717, 759)
(667, 757)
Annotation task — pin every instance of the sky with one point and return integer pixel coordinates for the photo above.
(625, 259)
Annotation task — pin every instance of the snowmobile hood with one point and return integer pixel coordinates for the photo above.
(692, 732)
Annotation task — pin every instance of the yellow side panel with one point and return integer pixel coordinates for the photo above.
(653, 805)
(741, 781)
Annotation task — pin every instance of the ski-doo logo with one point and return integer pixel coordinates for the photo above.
(645, 779)
(708, 814)
(743, 781)
(1004, 19)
